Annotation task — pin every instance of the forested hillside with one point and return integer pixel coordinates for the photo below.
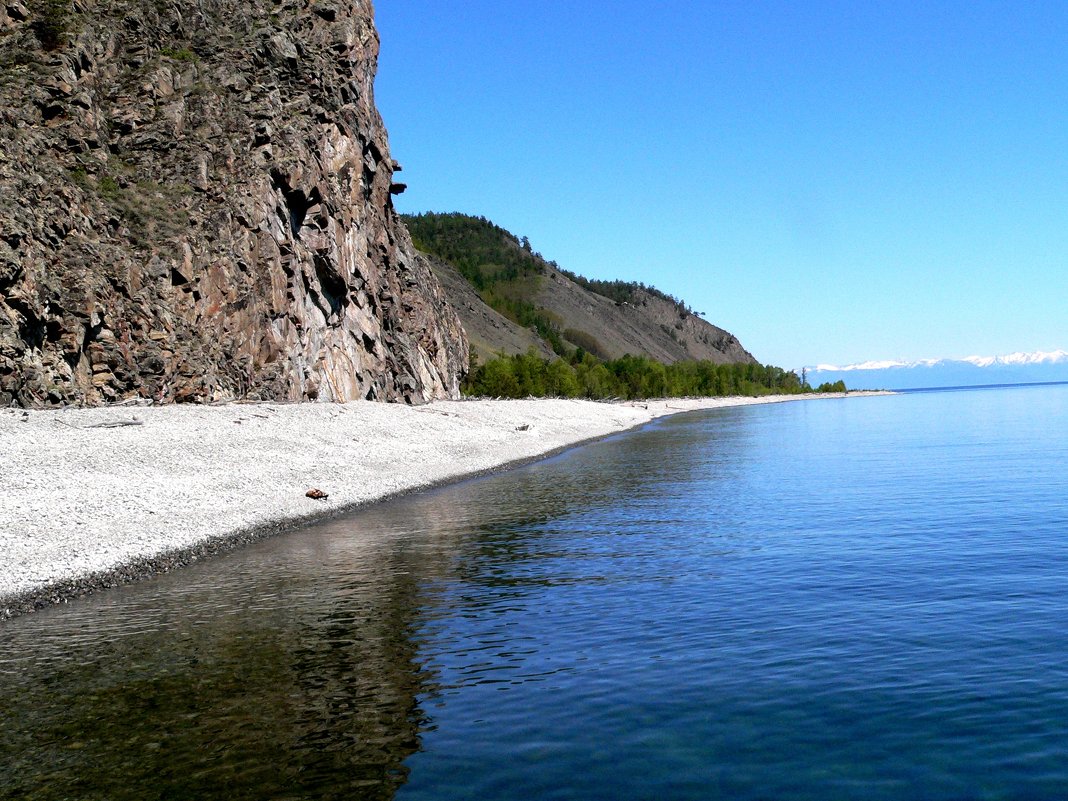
(503, 270)
(537, 329)
(609, 319)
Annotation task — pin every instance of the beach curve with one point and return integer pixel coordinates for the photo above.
(92, 498)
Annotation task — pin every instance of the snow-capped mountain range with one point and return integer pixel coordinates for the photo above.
(1014, 368)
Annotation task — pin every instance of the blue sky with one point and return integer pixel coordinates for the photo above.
(830, 181)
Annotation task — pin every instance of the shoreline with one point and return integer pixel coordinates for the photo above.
(94, 498)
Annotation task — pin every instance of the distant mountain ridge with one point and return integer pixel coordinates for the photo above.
(510, 299)
(1012, 368)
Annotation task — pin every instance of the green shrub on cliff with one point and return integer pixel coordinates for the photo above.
(585, 341)
(50, 22)
(178, 53)
(623, 291)
(500, 266)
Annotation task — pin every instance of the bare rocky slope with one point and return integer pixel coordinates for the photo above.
(488, 331)
(195, 205)
(644, 325)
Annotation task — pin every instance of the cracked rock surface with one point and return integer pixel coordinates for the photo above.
(195, 206)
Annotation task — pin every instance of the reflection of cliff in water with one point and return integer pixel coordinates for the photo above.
(244, 685)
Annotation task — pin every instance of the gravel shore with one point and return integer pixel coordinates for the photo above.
(94, 497)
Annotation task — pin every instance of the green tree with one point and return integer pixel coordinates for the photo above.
(561, 381)
(496, 378)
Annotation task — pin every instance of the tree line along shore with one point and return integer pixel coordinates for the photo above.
(582, 375)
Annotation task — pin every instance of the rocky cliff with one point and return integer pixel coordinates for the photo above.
(195, 206)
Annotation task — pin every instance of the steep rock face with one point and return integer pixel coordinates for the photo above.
(195, 205)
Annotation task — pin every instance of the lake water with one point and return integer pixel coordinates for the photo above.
(859, 599)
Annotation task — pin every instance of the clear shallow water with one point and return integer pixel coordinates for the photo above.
(861, 599)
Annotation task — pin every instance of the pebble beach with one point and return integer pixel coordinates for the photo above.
(91, 498)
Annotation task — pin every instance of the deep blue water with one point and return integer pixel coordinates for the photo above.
(860, 599)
